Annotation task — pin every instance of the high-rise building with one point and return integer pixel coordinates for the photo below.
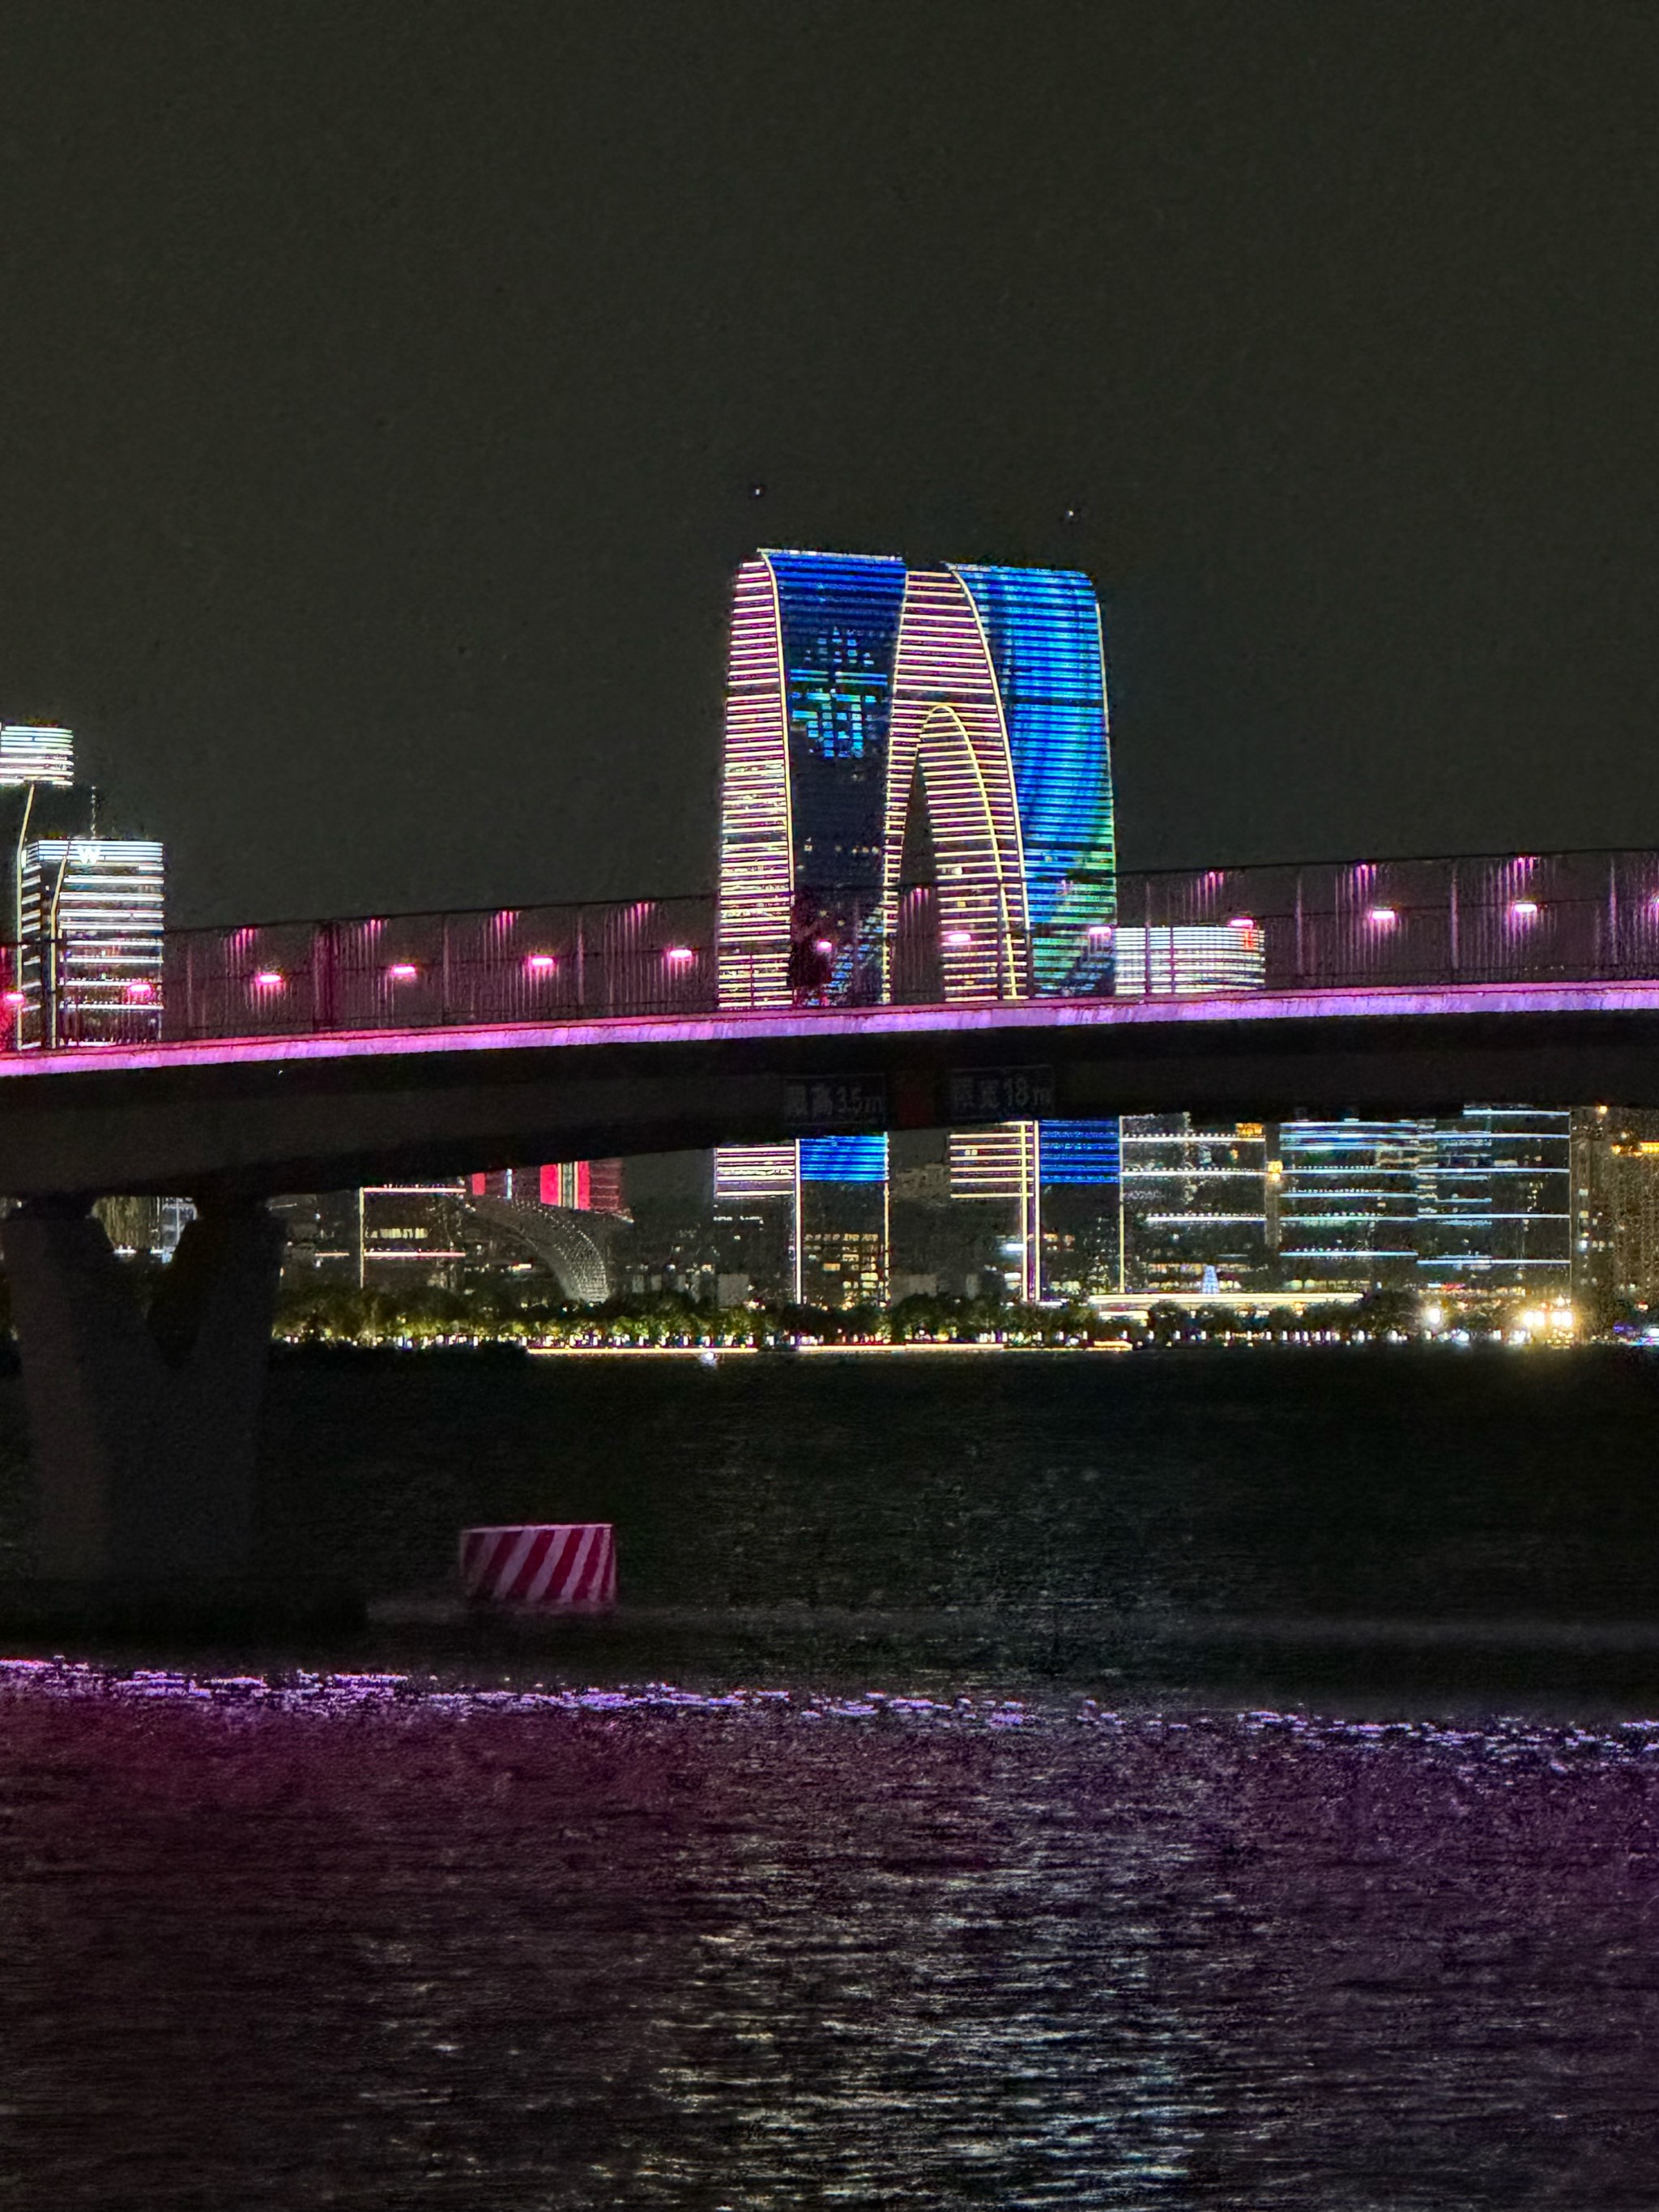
(92, 912)
(809, 698)
(1199, 1205)
(841, 1247)
(1079, 1229)
(578, 1186)
(1347, 1203)
(1616, 1208)
(917, 778)
(1457, 1204)
(410, 1236)
(1494, 1203)
(1188, 960)
(1055, 1187)
(39, 798)
(999, 731)
(858, 690)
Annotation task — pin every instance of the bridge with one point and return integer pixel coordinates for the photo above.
(318, 1055)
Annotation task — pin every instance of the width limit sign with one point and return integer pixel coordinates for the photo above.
(824, 1105)
(1002, 1094)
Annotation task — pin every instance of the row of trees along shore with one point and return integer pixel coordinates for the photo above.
(508, 1314)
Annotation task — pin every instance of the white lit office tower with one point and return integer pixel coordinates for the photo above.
(91, 912)
(38, 798)
(1458, 1205)
(36, 752)
(1199, 1204)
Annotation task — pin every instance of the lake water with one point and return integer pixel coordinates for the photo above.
(961, 1859)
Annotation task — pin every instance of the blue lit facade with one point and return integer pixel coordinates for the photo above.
(1079, 1155)
(838, 620)
(1042, 633)
(843, 1159)
(998, 719)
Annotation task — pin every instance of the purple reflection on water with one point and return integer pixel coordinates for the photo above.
(357, 1939)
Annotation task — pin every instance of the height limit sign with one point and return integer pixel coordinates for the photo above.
(829, 1103)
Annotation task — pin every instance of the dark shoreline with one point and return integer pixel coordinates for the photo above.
(1382, 1525)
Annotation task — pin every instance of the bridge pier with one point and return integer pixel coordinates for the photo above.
(145, 1427)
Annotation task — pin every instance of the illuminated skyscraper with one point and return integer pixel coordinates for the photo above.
(37, 753)
(1347, 1206)
(38, 798)
(1495, 1199)
(1460, 1202)
(92, 911)
(1199, 1204)
(853, 686)
(999, 726)
(1615, 1254)
(864, 703)
(840, 1253)
(809, 695)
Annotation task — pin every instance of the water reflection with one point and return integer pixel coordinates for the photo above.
(357, 1940)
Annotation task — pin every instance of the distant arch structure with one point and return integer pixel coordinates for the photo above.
(853, 681)
(563, 1242)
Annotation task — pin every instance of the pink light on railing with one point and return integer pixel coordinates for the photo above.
(958, 937)
(1241, 921)
(823, 944)
(138, 990)
(16, 1000)
(401, 971)
(677, 956)
(1382, 917)
(1524, 909)
(1100, 933)
(540, 964)
(270, 979)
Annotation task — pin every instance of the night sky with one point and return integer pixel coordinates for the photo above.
(383, 390)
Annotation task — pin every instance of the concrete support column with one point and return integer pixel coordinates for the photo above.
(145, 1429)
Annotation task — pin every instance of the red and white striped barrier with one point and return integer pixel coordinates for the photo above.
(550, 1564)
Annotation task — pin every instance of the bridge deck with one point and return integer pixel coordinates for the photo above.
(262, 1115)
(1032, 1019)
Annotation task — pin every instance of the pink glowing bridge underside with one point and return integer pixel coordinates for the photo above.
(1028, 1021)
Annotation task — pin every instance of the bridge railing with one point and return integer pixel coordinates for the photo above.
(1573, 916)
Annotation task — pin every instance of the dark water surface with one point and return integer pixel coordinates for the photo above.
(298, 1928)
